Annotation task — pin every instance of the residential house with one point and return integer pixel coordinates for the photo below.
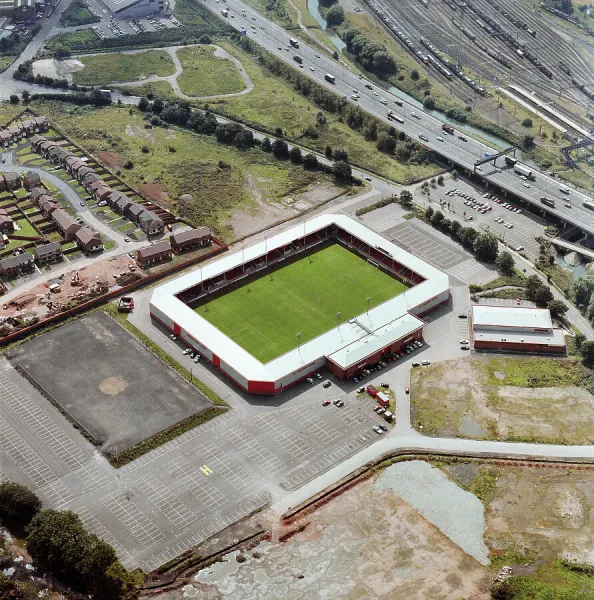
(122, 205)
(190, 240)
(31, 180)
(88, 179)
(54, 153)
(5, 138)
(64, 156)
(41, 123)
(66, 224)
(150, 223)
(45, 147)
(114, 197)
(2, 184)
(80, 173)
(36, 192)
(6, 222)
(99, 190)
(27, 127)
(48, 253)
(36, 142)
(16, 132)
(17, 265)
(88, 240)
(154, 254)
(73, 163)
(134, 212)
(48, 206)
(12, 181)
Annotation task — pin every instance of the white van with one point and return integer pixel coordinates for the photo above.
(563, 189)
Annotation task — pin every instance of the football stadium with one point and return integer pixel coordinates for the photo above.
(326, 293)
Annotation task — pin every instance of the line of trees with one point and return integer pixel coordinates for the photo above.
(235, 134)
(60, 546)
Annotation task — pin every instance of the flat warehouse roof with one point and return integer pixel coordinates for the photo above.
(511, 316)
(555, 337)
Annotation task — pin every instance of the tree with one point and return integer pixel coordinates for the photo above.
(455, 228)
(454, 174)
(342, 171)
(328, 152)
(533, 284)
(543, 296)
(587, 352)
(528, 142)
(26, 95)
(385, 143)
(467, 236)
(335, 15)
(143, 104)
(505, 263)
(527, 122)
(440, 180)
(280, 149)
(9, 589)
(244, 139)
(61, 53)
(266, 146)
(579, 340)
(295, 155)
(157, 106)
(406, 198)
(327, 3)
(581, 290)
(340, 155)
(486, 247)
(429, 212)
(310, 161)
(414, 75)
(437, 218)
(558, 308)
(14, 99)
(18, 505)
(428, 103)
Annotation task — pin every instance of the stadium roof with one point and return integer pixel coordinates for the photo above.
(329, 343)
(511, 317)
(119, 5)
(554, 337)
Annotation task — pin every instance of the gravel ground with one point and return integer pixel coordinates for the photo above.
(455, 512)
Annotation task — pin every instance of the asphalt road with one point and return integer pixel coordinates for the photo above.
(377, 102)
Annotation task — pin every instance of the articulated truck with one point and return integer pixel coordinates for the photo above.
(525, 171)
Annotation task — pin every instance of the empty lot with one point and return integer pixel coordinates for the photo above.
(107, 381)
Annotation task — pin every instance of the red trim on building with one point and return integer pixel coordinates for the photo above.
(261, 387)
(176, 329)
(216, 361)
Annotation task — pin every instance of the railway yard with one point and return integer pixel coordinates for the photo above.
(473, 48)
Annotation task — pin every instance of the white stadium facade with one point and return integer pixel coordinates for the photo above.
(344, 351)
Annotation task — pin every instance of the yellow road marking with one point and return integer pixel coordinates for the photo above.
(206, 470)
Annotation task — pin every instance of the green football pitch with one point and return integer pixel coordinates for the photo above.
(304, 296)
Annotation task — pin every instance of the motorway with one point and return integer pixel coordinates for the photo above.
(378, 101)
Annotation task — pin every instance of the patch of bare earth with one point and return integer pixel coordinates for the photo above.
(112, 386)
(543, 512)
(110, 159)
(361, 544)
(259, 215)
(154, 191)
(444, 396)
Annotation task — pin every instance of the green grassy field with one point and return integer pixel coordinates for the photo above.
(304, 296)
(115, 68)
(206, 75)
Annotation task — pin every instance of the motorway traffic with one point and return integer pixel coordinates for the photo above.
(462, 150)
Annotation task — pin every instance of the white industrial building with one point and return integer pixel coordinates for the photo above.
(130, 9)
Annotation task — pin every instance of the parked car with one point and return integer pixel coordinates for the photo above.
(361, 390)
(173, 337)
(416, 364)
(186, 351)
(310, 381)
(382, 427)
(326, 402)
(406, 390)
(464, 342)
(340, 403)
(425, 362)
(318, 376)
(327, 384)
(463, 316)
(377, 430)
(197, 358)
(385, 384)
(465, 347)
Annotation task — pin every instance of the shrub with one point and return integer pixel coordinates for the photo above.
(18, 505)
(128, 165)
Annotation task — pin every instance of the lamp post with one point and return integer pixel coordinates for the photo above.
(299, 340)
(368, 301)
(338, 315)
